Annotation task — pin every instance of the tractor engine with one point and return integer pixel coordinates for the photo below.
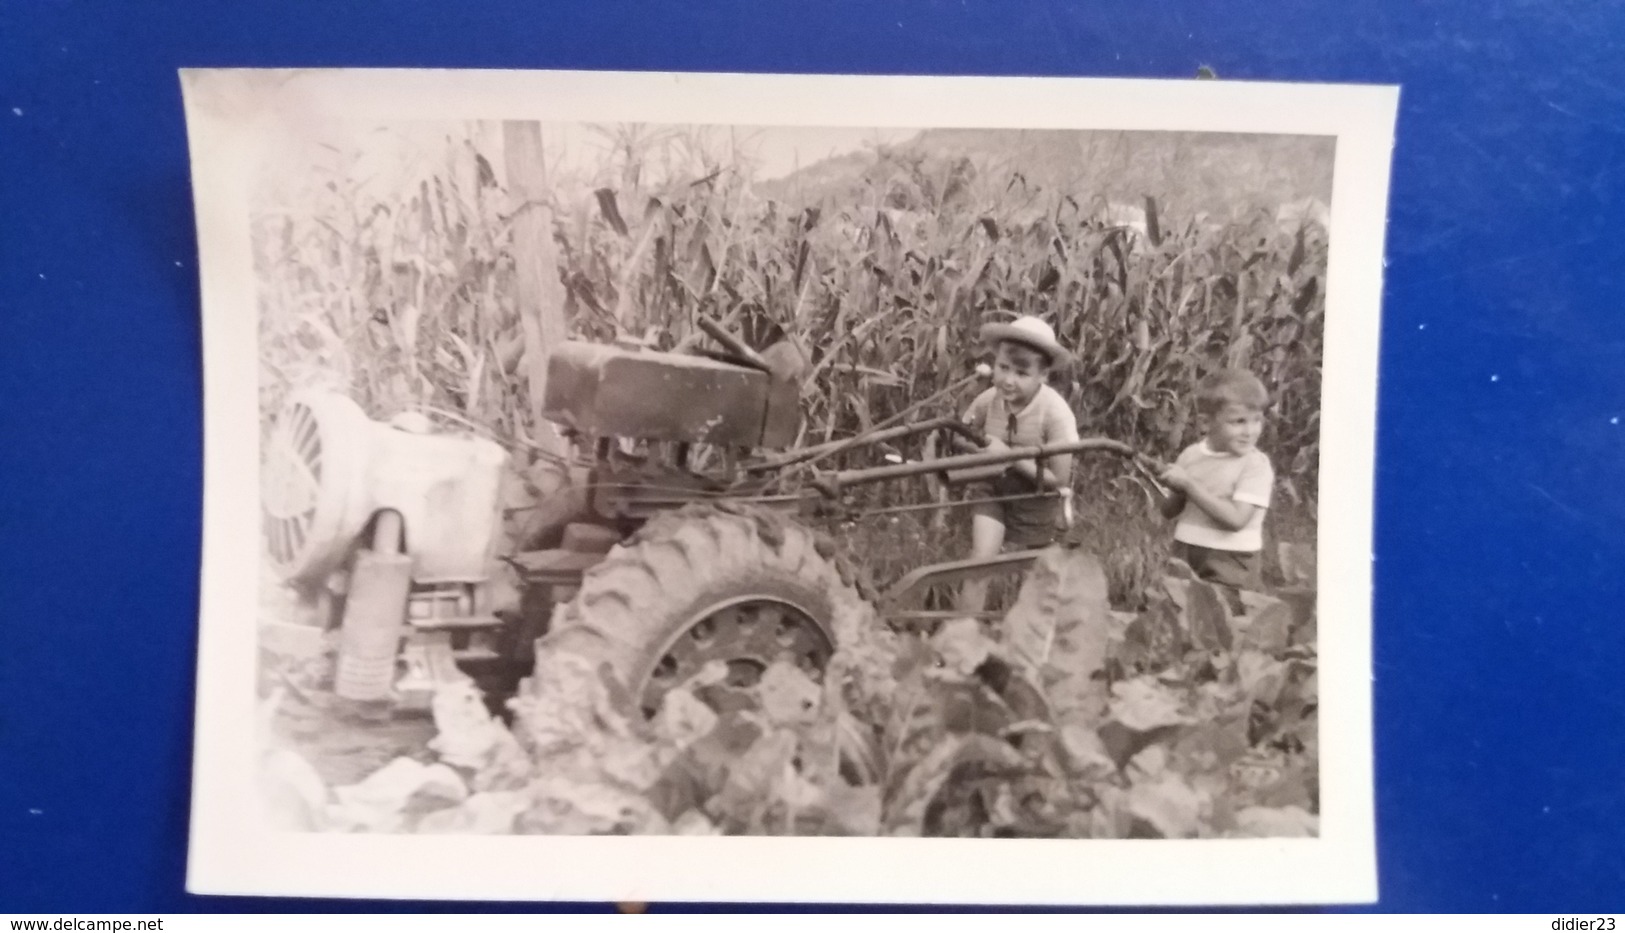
(623, 402)
(617, 391)
(375, 518)
(395, 528)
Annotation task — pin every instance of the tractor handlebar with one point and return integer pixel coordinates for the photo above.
(830, 484)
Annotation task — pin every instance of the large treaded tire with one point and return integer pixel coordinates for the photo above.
(651, 591)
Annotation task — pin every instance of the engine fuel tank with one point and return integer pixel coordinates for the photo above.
(611, 391)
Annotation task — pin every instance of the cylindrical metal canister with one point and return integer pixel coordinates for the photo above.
(374, 616)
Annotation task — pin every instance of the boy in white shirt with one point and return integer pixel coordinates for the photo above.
(1222, 483)
(1020, 409)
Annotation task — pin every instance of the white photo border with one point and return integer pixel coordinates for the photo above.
(230, 113)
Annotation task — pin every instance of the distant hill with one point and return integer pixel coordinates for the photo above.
(1214, 173)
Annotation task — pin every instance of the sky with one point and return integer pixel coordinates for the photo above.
(782, 150)
(381, 157)
(778, 151)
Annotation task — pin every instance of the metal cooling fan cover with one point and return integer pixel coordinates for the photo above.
(314, 456)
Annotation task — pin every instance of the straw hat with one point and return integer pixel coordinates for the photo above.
(1032, 332)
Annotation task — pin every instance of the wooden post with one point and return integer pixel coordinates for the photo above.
(536, 259)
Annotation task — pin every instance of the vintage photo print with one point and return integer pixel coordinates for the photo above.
(655, 487)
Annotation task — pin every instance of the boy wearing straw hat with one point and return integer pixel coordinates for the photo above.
(1020, 409)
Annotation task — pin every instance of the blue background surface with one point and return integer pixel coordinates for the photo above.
(1500, 652)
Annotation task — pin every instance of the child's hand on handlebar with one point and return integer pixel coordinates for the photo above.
(1176, 478)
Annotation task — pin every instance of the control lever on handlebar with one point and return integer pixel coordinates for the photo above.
(732, 344)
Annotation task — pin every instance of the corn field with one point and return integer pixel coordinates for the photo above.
(406, 298)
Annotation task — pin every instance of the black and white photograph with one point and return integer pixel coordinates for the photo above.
(820, 488)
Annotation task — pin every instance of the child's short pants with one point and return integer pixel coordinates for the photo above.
(1231, 568)
(1028, 523)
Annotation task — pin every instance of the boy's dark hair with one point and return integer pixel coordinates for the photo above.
(1230, 387)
